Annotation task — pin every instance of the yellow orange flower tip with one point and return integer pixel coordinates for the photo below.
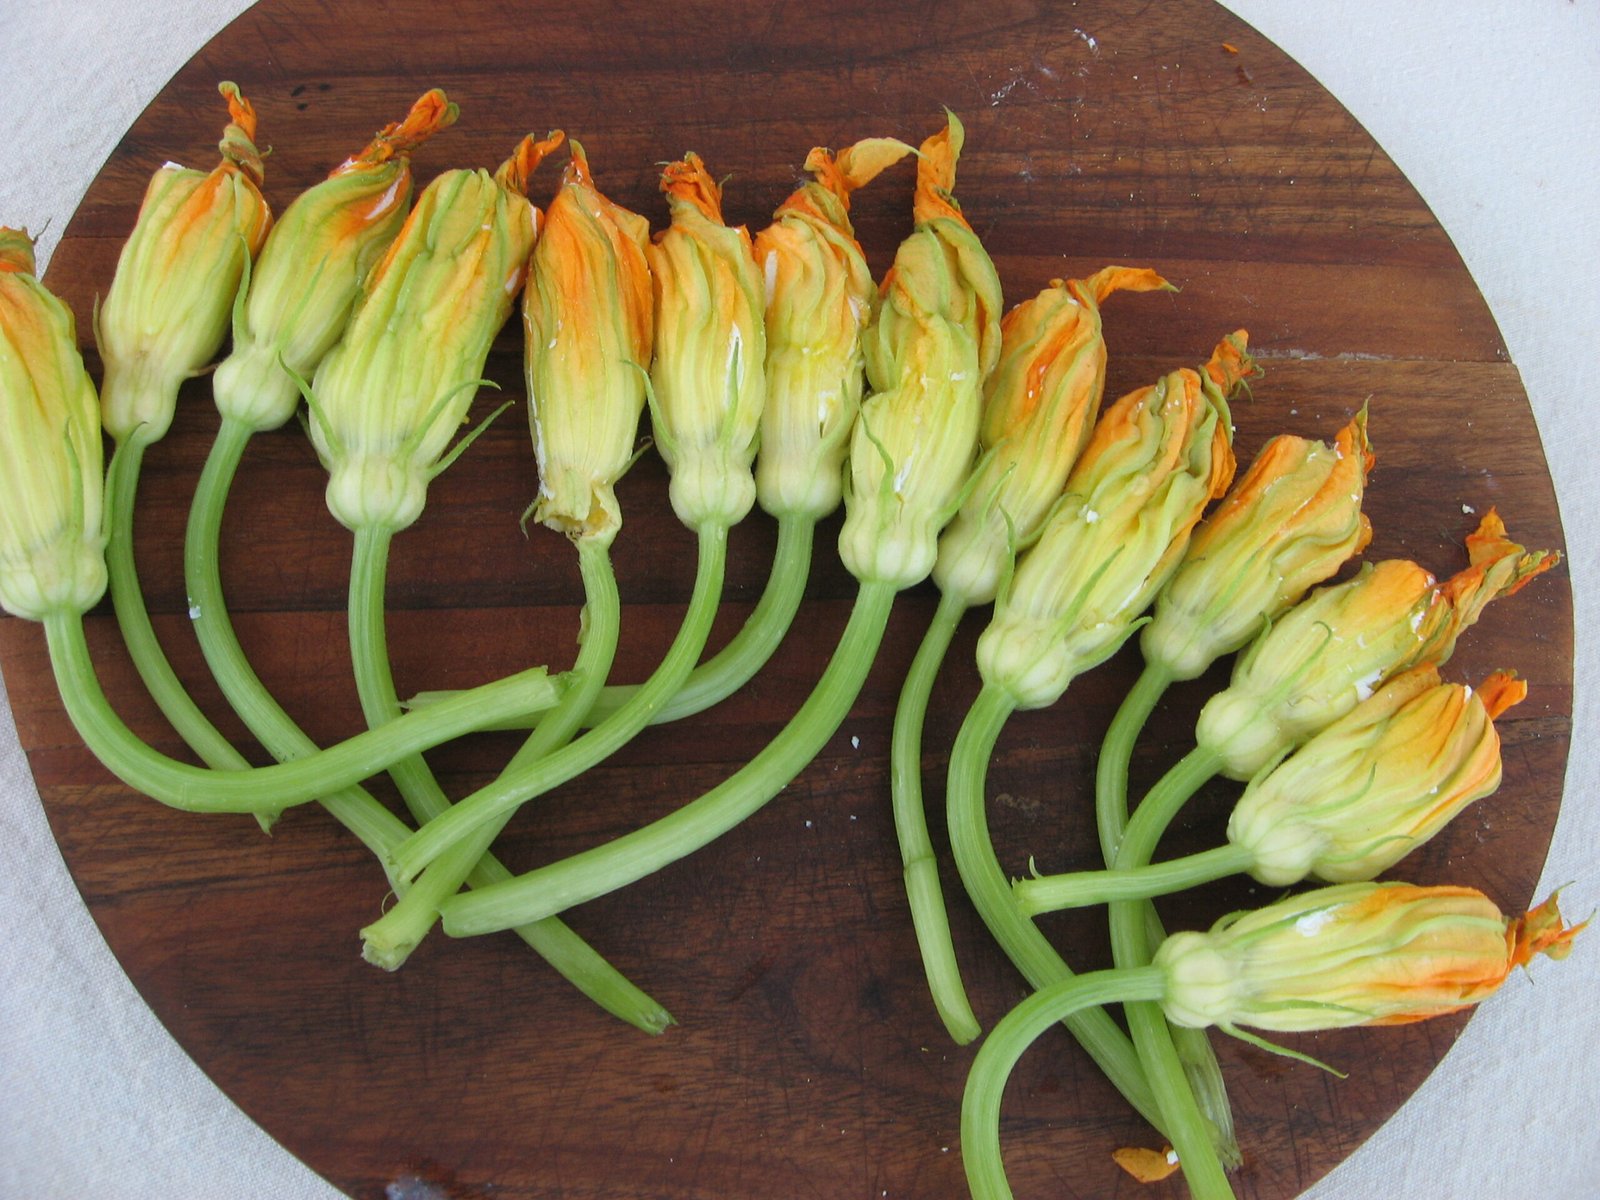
(936, 173)
(516, 171)
(1500, 691)
(1107, 280)
(430, 113)
(16, 251)
(240, 111)
(238, 144)
(1232, 365)
(688, 180)
(1146, 1165)
(1541, 930)
(1490, 543)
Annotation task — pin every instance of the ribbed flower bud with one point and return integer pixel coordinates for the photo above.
(709, 373)
(588, 319)
(52, 544)
(167, 310)
(1157, 457)
(1338, 645)
(1039, 407)
(934, 338)
(389, 398)
(1353, 954)
(1290, 523)
(306, 279)
(819, 298)
(1377, 783)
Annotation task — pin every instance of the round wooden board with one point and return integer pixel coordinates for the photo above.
(807, 1061)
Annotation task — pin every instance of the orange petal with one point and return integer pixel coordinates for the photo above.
(514, 173)
(936, 174)
(1146, 1165)
(1541, 931)
(1501, 691)
(688, 180)
(1231, 363)
(432, 112)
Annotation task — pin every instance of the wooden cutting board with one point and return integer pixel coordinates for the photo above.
(807, 1061)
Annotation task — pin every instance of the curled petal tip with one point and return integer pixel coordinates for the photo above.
(516, 171)
(1541, 931)
(238, 144)
(1146, 1165)
(1502, 690)
(1231, 363)
(16, 251)
(936, 173)
(432, 112)
(687, 180)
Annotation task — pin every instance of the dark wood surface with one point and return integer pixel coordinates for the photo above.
(807, 1061)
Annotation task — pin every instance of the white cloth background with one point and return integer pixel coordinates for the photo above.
(1493, 111)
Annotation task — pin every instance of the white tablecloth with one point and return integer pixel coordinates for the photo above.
(1493, 111)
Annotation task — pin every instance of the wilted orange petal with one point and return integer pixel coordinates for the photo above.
(514, 173)
(431, 113)
(1541, 931)
(1146, 1165)
(1501, 691)
(688, 179)
(936, 174)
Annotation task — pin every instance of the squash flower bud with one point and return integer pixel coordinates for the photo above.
(1377, 783)
(308, 275)
(168, 307)
(1291, 523)
(1156, 459)
(1353, 954)
(709, 373)
(1039, 408)
(587, 316)
(1338, 645)
(52, 540)
(934, 338)
(819, 298)
(389, 397)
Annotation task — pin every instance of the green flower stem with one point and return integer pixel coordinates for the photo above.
(1080, 889)
(264, 789)
(496, 801)
(133, 619)
(603, 869)
(353, 807)
(378, 829)
(1131, 948)
(1111, 820)
(1111, 770)
(725, 672)
(1006, 1044)
(921, 870)
(991, 894)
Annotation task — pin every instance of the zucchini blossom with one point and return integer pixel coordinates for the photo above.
(934, 338)
(1338, 645)
(179, 274)
(709, 373)
(587, 315)
(390, 396)
(1377, 783)
(1290, 523)
(1040, 406)
(819, 299)
(1353, 954)
(52, 536)
(310, 271)
(1155, 460)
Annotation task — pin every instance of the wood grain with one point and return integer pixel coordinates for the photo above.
(807, 1061)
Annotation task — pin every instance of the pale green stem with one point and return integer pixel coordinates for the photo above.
(604, 869)
(991, 894)
(133, 619)
(1131, 948)
(353, 807)
(1006, 1044)
(497, 800)
(921, 869)
(1080, 889)
(356, 809)
(264, 789)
